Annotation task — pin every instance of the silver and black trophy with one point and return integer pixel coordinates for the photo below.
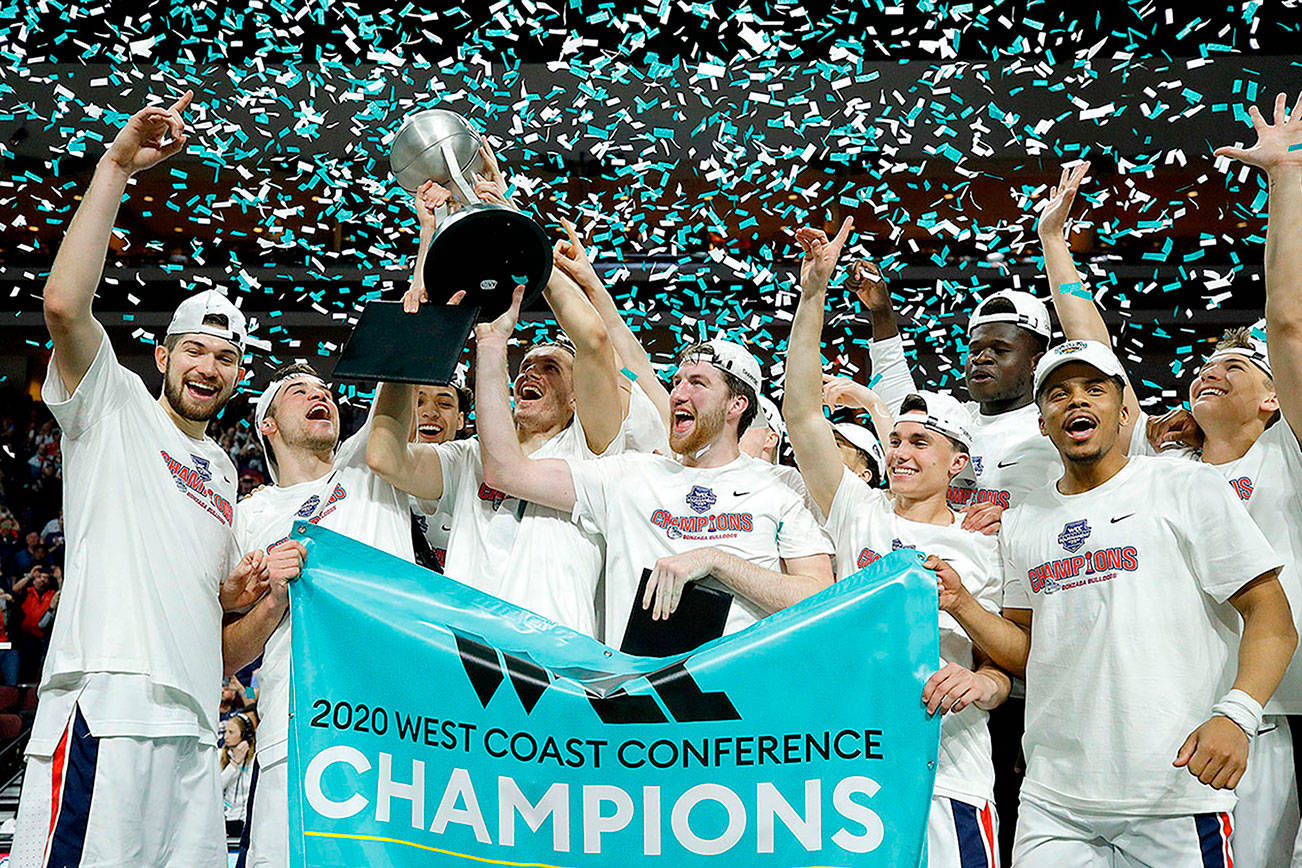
(482, 249)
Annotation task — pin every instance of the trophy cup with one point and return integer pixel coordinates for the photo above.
(482, 249)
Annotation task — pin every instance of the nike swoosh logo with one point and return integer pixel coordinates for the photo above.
(1005, 464)
(740, 493)
(1116, 519)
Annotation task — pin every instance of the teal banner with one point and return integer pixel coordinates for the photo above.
(435, 725)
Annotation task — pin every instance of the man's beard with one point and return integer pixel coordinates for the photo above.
(707, 427)
(174, 392)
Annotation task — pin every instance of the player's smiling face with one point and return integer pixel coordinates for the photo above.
(1231, 391)
(544, 388)
(1000, 362)
(199, 375)
(698, 405)
(920, 462)
(304, 414)
(438, 415)
(1081, 412)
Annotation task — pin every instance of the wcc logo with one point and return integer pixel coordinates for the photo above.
(309, 506)
(1074, 534)
(487, 668)
(976, 464)
(700, 498)
(202, 467)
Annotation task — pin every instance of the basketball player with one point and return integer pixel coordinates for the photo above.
(1121, 584)
(122, 761)
(319, 481)
(717, 517)
(928, 448)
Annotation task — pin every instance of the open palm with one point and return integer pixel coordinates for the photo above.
(1053, 219)
(1278, 144)
(820, 253)
(150, 136)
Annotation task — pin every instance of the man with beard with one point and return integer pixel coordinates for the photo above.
(1246, 409)
(297, 422)
(567, 403)
(715, 515)
(928, 448)
(130, 689)
(1121, 585)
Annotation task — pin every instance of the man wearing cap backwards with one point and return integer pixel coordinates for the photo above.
(710, 516)
(1237, 399)
(122, 762)
(1007, 332)
(1116, 580)
(319, 481)
(928, 448)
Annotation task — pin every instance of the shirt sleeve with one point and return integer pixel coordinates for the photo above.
(799, 535)
(1139, 444)
(456, 459)
(1221, 543)
(591, 501)
(105, 387)
(850, 498)
(988, 589)
(643, 429)
(891, 378)
(1015, 593)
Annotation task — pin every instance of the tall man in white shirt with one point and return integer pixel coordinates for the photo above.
(927, 449)
(1117, 579)
(1248, 408)
(567, 404)
(122, 762)
(717, 516)
(319, 480)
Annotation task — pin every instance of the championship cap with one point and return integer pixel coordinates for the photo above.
(941, 413)
(730, 357)
(189, 318)
(1012, 306)
(772, 416)
(1092, 353)
(862, 439)
(1256, 352)
(263, 406)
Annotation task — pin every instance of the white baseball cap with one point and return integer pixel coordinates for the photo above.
(730, 357)
(189, 318)
(1092, 353)
(863, 440)
(263, 406)
(939, 412)
(1027, 312)
(1257, 353)
(772, 416)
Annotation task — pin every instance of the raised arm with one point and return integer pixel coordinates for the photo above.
(150, 136)
(1278, 151)
(802, 400)
(429, 201)
(411, 467)
(545, 481)
(891, 376)
(1077, 312)
(596, 377)
(573, 259)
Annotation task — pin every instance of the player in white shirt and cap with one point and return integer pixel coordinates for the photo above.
(321, 481)
(712, 516)
(1245, 414)
(928, 448)
(1121, 586)
(440, 415)
(122, 761)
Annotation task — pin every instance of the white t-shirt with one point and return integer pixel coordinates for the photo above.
(1131, 634)
(530, 555)
(435, 524)
(650, 506)
(148, 513)
(351, 500)
(792, 479)
(643, 429)
(864, 526)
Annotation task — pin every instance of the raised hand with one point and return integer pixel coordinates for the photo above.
(1279, 145)
(820, 254)
(150, 136)
(428, 197)
(498, 332)
(571, 257)
(1053, 217)
(869, 284)
(1174, 429)
(845, 392)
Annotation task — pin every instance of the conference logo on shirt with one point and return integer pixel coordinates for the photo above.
(309, 506)
(700, 498)
(192, 481)
(337, 494)
(1081, 568)
(977, 464)
(702, 526)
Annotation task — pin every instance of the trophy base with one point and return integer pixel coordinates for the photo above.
(486, 250)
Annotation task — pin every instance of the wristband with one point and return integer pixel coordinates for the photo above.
(1242, 709)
